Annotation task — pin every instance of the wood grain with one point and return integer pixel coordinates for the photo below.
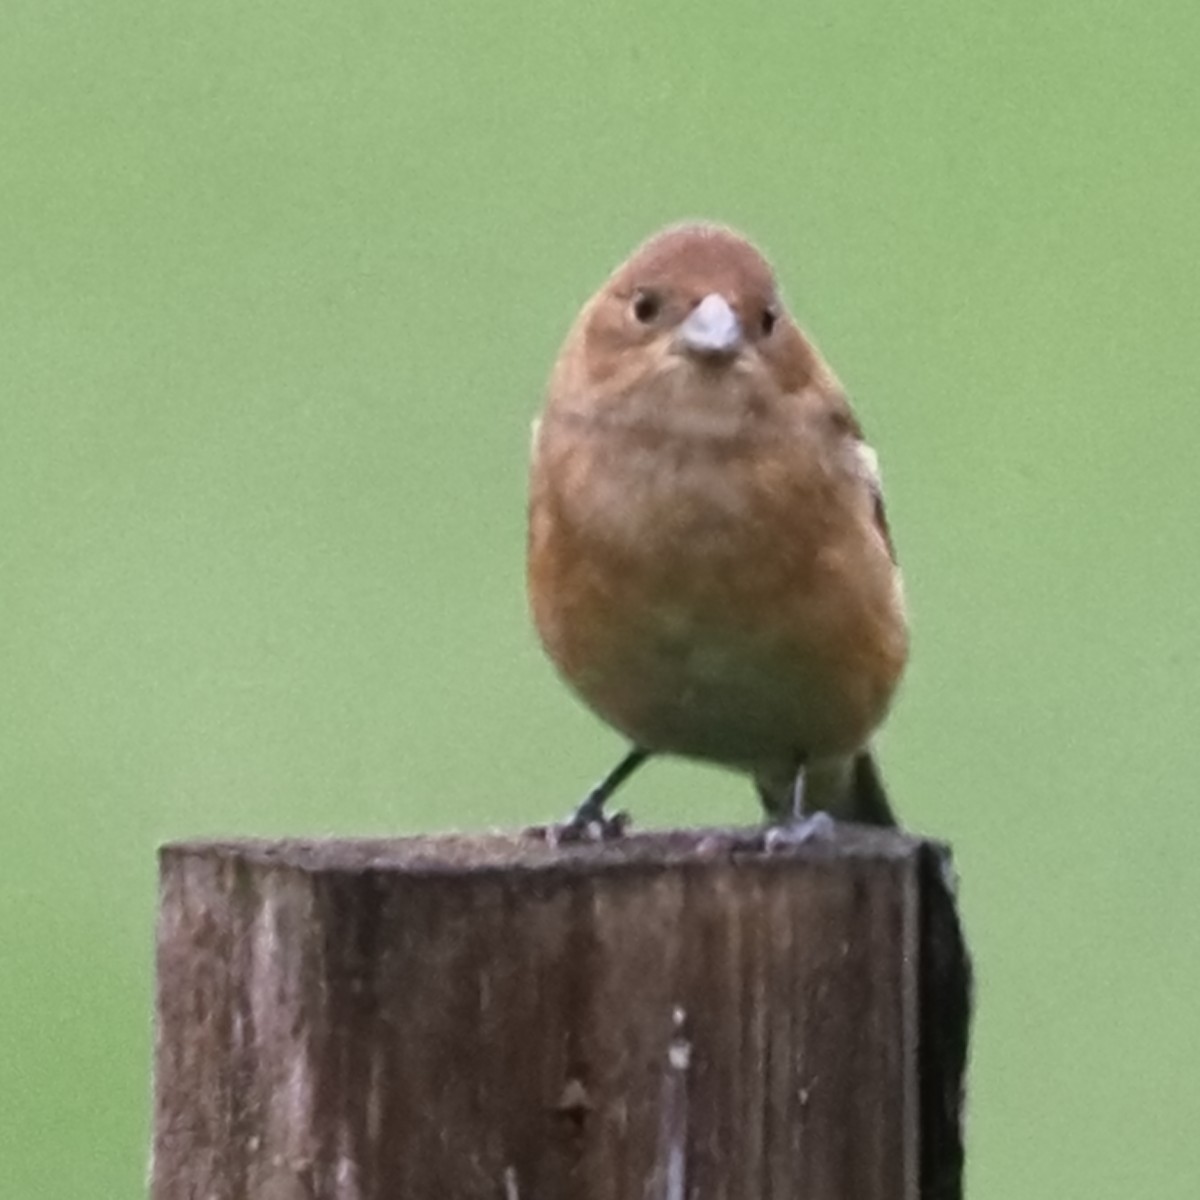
(669, 1016)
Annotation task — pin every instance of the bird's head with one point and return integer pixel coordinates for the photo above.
(694, 312)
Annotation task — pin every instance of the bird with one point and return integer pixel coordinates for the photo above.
(709, 562)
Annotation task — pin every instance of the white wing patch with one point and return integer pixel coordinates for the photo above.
(868, 464)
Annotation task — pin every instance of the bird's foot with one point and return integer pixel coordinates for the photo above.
(817, 829)
(588, 823)
(800, 831)
(601, 828)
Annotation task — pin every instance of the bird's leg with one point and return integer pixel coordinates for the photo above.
(797, 813)
(590, 814)
(798, 826)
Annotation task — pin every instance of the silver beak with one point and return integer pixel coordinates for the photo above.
(711, 327)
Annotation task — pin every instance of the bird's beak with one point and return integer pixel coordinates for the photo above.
(711, 329)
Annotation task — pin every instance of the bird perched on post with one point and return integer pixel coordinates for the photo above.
(710, 566)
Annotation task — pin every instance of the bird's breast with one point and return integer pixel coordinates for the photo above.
(708, 591)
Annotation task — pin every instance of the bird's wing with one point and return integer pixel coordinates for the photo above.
(867, 462)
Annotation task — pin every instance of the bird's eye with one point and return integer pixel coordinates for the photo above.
(646, 305)
(769, 317)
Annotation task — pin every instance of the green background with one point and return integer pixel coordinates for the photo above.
(279, 289)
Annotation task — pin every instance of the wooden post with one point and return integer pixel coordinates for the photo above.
(664, 1017)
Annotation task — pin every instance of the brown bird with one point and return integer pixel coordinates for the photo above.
(710, 566)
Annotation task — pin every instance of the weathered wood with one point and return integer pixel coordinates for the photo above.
(666, 1017)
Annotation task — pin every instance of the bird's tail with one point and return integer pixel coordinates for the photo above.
(868, 797)
(848, 789)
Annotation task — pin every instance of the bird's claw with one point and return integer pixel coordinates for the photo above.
(588, 823)
(599, 828)
(801, 831)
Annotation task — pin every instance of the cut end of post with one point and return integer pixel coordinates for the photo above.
(531, 850)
